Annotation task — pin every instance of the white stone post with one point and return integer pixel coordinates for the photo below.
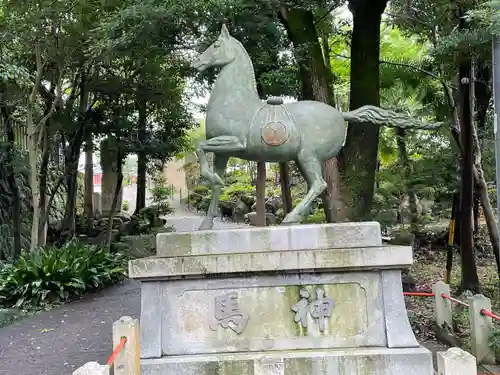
(127, 361)
(96, 203)
(481, 328)
(456, 361)
(442, 306)
(92, 368)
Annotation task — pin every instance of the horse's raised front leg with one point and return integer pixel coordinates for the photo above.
(220, 163)
(217, 144)
(310, 167)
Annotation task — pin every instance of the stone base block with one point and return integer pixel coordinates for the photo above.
(253, 240)
(376, 361)
(192, 223)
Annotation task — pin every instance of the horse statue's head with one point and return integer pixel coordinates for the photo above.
(220, 53)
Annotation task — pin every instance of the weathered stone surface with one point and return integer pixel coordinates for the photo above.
(312, 299)
(481, 328)
(189, 324)
(380, 257)
(373, 361)
(456, 361)
(398, 329)
(282, 238)
(253, 219)
(92, 368)
(191, 223)
(96, 203)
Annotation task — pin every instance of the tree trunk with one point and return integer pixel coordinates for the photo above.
(316, 84)
(261, 194)
(482, 91)
(332, 196)
(88, 207)
(69, 221)
(13, 187)
(140, 202)
(475, 213)
(358, 158)
(44, 217)
(35, 187)
(408, 171)
(118, 186)
(480, 183)
(286, 194)
(43, 175)
(470, 280)
(71, 159)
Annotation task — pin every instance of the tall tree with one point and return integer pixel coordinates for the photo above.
(316, 83)
(358, 158)
(470, 280)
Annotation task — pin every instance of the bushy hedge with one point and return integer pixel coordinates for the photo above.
(53, 275)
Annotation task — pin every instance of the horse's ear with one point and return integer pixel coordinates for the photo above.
(224, 32)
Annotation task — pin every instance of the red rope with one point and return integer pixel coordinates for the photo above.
(490, 314)
(445, 296)
(419, 294)
(117, 350)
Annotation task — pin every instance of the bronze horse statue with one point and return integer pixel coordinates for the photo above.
(239, 124)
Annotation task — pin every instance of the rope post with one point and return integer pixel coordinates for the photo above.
(127, 362)
(481, 328)
(442, 306)
(456, 361)
(92, 368)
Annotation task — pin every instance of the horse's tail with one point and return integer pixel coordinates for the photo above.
(380, 116)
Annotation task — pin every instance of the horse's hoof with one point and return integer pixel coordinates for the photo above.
(291, 220)
(207, 224)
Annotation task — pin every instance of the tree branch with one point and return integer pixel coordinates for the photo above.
(426, 72)
(39, 72)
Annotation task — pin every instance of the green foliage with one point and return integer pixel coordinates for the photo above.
(236, 190)
(51, 275)
(8, 316)
(160, 195)
(125, 205)
(317, 217)
(6, 196)
(494, 341)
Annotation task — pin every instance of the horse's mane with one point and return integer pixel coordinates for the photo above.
(249, 61)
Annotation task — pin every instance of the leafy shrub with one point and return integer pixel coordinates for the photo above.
(21, 171)
(200, 197)
(161, 194)
(236, 190)
(52, 275)
(238, 176)
(492, 194)
(161, 200)
(494, 342)
(8, 316)
(317, 217)
(125, 206)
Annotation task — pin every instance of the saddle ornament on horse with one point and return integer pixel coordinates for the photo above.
(275, 122)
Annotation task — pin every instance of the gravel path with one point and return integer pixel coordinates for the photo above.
(57, 342)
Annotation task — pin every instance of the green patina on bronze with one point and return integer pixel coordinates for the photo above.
(239, 124)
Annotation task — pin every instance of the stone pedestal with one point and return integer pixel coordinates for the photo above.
(290, 300)
(192, 223)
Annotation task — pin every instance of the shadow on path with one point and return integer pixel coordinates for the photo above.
(59, 341)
